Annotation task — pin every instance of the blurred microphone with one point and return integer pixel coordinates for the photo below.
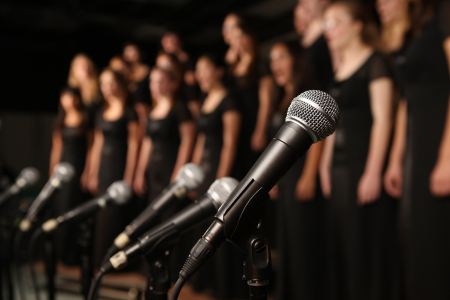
(311, 117)
(189, 178)
(27, 177)
(63, 172)
(168, 233)
(118, 193)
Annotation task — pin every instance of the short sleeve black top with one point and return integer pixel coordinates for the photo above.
(211, 124)
(166, 130)
(116, 131)
(353, 98)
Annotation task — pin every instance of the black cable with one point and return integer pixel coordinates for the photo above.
(94, 286)
(111, 251)
(31, 251)
(177, 288)
(16, 259)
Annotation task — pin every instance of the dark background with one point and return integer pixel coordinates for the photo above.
(39, 38)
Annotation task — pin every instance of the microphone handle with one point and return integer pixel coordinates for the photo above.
(8, 192)
(85, 209)
(171, 194)
(41, 199)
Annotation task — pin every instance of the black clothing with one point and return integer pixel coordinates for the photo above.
(362, 239)
(246, 91)
(112, 220)
(319, 54)
(165, 136)
(424, 219)
(141, 92)
(221, 276)
(74, 151)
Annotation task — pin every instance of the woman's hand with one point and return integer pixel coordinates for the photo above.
(440, 179)
(139, 186)
(93, 185)
(325, 183)
(369, 188)
(259, 141)
(274, 193)
(84, 181)
(305, 190)
(393, 180)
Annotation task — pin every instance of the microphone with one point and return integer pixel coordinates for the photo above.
(118, 193)
(27, 177)
(63, 172)
(168, 233)
(189, 178)
(311, 117)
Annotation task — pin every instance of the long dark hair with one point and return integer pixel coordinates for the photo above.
(303, 77)
(420, 13)
(59, 124)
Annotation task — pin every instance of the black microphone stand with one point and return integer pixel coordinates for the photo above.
(50, 265)
(251, 238)
(85, 242)
(158, 283)
(6, 240)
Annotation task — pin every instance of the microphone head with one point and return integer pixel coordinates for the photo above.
(64, 171)
(221, 189)
(315, 111)
(119, 192)
(28, 176)
(191, 176)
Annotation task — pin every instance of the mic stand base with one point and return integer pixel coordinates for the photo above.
(158, 283)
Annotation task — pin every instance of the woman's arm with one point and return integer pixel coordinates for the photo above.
(259, 137)
(325, 165)
(306, 184)
(55, 154)
(142, 111)
(132, 153)
(440, 176)
(95, 158)
(84, 180)
(393, 178)
(381, 93)
(198, 149)
(187, 134)
(231, 125)
(144, 156)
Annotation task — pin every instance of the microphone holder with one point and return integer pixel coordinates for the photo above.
(158, 283)
(253, 242)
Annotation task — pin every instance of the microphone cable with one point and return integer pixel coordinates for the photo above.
(177, 288)
(31, 247)
(95, 285)
(16, 263)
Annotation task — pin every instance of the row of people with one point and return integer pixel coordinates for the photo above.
(361, 243)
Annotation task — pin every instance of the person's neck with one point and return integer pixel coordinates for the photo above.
(289, 89)
(353, 50)
(217, 88)
(114, 103)
(163, 100)
(394, 33)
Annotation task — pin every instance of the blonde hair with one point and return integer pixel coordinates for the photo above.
(90, 90)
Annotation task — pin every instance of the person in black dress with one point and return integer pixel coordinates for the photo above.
(215, 151)
(308, 17)
(169, 140)
(362, 216)
(138, 82)
(71, 138)
(252, 85)
(300, 208)
(84, 77)
(114, 156)
(419, 162)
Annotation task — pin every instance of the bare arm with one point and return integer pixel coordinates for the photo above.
(187, 134)
(95, 160)
(144, 157)
(55, 154)
(393, 178)
(306, 185)
(259, 137)
(381, 93)
(142, 111)
(84, 181)
(325, 165)
(440, 177)
(198, 150)
(132, 153)
(231, 126)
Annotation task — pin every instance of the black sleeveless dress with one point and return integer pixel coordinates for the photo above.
(424, 219)
(165, 136)
(362, 239)
(221, 276)
(70, 195)
(112, 220)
